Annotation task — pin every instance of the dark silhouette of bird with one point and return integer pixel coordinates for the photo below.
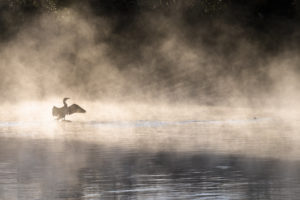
(61, 113)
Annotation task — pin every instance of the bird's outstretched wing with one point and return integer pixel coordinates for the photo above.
(74, 108)
(55, 111)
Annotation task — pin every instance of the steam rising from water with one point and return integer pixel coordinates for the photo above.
(73, 53)
(169, 76)
(207, 93)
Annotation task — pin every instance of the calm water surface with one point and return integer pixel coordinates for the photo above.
(234, 159)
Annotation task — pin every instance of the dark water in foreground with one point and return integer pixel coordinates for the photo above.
(147, 160)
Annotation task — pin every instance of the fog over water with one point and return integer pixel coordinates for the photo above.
(94, 52)
(184, 99)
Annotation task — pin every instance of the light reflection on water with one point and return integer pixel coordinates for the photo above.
(234, 159)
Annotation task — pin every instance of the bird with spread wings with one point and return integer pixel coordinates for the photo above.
(61, 112)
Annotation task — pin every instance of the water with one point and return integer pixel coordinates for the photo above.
(191, 159)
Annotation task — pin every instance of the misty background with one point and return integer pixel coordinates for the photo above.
(205, 52)
(192, 98)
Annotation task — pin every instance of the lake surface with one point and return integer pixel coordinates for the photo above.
(191, 159)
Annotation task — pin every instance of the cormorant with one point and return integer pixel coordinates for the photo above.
(66, 110)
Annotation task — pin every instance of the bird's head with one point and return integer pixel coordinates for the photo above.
(65, 99)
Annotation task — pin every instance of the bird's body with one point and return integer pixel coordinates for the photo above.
(61, 112)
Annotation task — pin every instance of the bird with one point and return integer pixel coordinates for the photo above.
(61, 113)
